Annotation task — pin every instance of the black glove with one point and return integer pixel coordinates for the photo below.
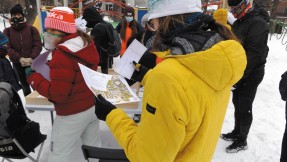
(283, 86)
(139, 73)
(29, 71)
(103, 107)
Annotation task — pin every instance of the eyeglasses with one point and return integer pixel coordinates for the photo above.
(151, 26)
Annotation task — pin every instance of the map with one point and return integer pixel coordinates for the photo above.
(113, 88)
(118, 91)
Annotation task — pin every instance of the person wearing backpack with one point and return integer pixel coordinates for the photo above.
(129, 29)
(24, 44)
(7, 74)
(99, 34)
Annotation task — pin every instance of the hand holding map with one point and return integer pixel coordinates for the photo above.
(114, 88)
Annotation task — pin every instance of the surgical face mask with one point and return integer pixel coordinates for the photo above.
(50, 40)
(129, 19)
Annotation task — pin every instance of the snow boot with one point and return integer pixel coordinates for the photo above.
(237, 146)
(232, 136)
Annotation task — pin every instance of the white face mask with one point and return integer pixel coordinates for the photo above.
(50, 41)
(129, 19)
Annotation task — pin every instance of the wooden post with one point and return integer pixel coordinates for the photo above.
(39, 15)
(56, 3)
(224, 3)
(66, 3)
(80, 8)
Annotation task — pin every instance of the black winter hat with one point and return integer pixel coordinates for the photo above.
(17, 9)
(234, 2)
(129, 11)
(91, 14)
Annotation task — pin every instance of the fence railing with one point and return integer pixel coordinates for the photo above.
(278, 29)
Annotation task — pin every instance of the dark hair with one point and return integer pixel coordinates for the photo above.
(124, 24)
(169, 22)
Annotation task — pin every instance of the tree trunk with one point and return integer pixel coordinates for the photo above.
(31, 11)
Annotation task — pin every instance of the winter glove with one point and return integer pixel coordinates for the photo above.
(29, 71)
(26, 61)
(139, 73)
(22, 61)
(103, 107)
(29, 61)
(283, 86)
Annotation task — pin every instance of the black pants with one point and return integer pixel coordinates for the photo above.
(243, 97)
(104, 58)
(284, 141)
(20, 71)
(111, 62)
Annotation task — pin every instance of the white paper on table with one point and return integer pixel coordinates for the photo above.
(134, 52)
(113, 88)
(95, 79)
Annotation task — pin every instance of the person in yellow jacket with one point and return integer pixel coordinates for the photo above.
(185, 96)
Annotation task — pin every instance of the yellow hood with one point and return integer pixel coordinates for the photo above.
(221, 65)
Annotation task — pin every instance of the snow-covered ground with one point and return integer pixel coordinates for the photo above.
(266, 133)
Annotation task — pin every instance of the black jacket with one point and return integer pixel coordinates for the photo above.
(100, 37)
(95, 20)
(7, 74)
(253, 31)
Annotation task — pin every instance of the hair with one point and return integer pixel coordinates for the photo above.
(170, 22)
(85, 37)
(124, 24)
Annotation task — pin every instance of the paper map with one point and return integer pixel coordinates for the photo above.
(113, 88)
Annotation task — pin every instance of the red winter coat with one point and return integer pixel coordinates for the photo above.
(67, 88)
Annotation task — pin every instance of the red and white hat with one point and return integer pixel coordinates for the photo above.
(61, 18)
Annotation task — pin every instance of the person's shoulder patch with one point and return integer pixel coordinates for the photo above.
(150, 109)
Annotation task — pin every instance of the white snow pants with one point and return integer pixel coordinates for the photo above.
(68, 129)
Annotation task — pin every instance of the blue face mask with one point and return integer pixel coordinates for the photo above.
(129, 19)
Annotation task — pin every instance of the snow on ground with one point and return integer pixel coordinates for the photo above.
(266, 132)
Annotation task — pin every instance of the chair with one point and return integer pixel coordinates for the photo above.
(104, 154)
(18, 134)
(24, 153)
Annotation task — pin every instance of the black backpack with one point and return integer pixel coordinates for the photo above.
(115, 43)
(15, 124)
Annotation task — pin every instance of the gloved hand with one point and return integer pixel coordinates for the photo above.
(103, 107)
(25, 61)
(139, 73)
(22, 61)
(29, 61)
(29, 71)
(283, 86)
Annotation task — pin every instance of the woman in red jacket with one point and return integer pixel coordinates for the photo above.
(73, 101)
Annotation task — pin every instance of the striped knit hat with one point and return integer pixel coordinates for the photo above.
(61, 18)
(3, 39)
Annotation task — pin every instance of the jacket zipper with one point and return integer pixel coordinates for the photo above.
(21, 43)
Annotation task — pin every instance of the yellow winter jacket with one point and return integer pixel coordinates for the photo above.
(184, 104)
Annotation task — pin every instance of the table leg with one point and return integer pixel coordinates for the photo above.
(52, 117)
